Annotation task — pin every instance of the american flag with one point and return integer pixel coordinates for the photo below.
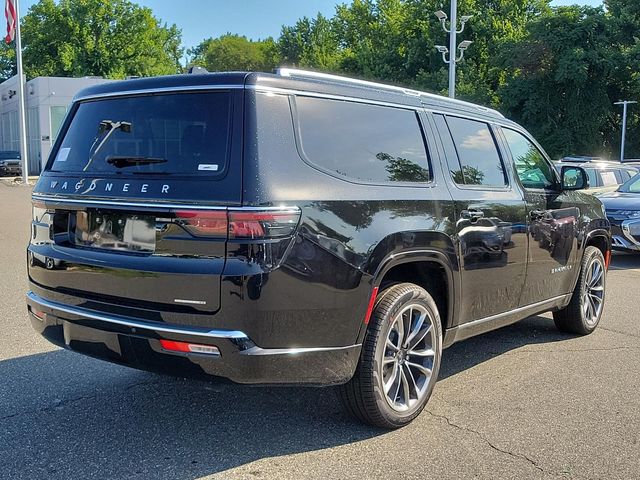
(10, 13)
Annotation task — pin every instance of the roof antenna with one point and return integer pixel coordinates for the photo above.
(196, 70)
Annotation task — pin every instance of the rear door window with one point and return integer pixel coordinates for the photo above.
(184, 134)
(363, 142)
(471, 151)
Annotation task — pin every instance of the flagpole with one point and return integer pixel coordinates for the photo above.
(21, 100)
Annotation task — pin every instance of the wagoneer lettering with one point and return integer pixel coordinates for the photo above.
(349, 232)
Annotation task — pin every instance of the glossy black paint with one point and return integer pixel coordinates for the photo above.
(522, 249)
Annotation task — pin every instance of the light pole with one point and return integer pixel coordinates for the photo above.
(624, 104)
(452, 31)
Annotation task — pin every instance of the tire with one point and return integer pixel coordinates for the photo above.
(410, 372)
(584, 311)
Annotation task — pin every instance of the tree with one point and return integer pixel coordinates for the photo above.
(7, 61)
(235, 52)
(558, 80)
(109, 38)
(311, 43)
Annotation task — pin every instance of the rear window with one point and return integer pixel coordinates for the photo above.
(185, 133)
(362, 142)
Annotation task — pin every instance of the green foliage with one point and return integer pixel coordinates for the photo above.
(234, 52)
(403, 170)
(311, 43)
(558, 80)
(7, 61)
(556, 70)
(110, 38)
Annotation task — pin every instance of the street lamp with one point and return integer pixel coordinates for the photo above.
(453, 30)
(624, 124)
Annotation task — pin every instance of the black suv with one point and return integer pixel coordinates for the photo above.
(303, 228)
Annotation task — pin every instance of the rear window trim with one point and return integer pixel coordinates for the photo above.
(202, 176)
(416, 110)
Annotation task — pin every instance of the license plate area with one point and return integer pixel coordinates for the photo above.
(108, 230)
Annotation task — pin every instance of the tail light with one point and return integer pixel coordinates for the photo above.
(203, 223)
(262, 225)
(240, 224)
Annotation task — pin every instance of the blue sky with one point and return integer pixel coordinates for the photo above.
(200, 19)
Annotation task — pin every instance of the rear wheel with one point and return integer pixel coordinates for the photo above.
(583, 313)
(400, 359)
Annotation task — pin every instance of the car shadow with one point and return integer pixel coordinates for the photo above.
(476, 350)
(65, 415)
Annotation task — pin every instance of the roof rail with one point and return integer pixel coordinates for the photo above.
(294, 72)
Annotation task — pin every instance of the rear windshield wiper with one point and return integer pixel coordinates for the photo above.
(122, 162)
(105, 129)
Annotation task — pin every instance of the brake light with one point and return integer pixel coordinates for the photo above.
(203, 223)
(239, 224)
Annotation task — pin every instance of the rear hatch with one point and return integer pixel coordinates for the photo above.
(131, 209)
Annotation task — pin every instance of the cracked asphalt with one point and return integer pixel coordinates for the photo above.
(522, 402)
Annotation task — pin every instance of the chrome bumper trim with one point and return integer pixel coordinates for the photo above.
(250, 348)
(126, 322)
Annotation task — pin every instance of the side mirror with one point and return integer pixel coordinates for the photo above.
(574, 178)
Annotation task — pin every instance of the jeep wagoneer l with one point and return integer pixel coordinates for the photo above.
(303, 228)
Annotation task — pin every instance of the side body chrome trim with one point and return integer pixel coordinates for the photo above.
(493, 322)
(294, 351)
(515, 311)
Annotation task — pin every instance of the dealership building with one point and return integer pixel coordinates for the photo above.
(47, 100)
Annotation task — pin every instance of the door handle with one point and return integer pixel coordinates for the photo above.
(472, 214)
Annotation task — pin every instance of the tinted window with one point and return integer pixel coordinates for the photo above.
(594, 180)
(624, 175)
(185, 133)
(363, 142)
(478, 155)
(632, 185)
(609, 178)
(533, 169)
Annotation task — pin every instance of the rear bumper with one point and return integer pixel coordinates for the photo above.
(137, 344)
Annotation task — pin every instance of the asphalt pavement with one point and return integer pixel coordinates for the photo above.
(522, 402)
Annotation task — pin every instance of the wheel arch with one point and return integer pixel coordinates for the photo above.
(428, 268)
(599, 238)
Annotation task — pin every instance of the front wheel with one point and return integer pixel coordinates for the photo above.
(400, 359)
(584, 311)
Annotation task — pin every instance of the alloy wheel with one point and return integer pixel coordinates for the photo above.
(408, 358)
(593, 296)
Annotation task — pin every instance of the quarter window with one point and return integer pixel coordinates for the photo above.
(533, 169)
(362, 142)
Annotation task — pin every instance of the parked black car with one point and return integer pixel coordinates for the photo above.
(623, 211)
(10, 163)
(302, 228)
